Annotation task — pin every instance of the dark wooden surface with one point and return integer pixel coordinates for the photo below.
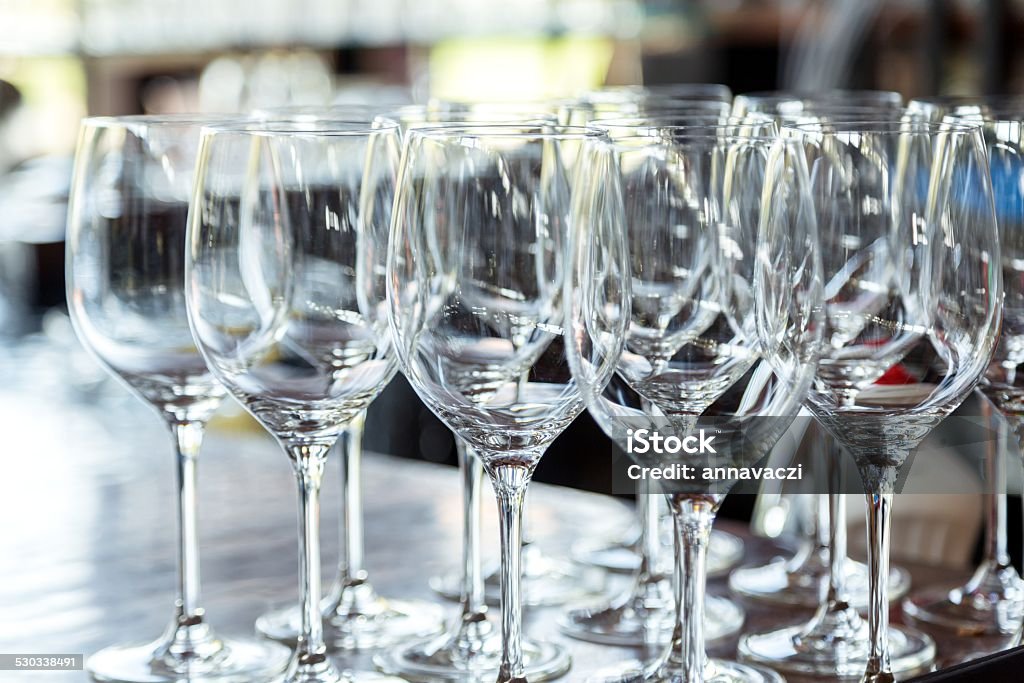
(87, 535)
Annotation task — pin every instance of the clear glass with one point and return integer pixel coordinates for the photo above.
(285, 288)
(643, 613)
(908, 233)
(125, 287)
(546, 580)
(692, 206)
(470, 649)
(795, 581)
(992, 599)
(477, 260)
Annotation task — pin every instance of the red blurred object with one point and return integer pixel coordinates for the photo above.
(897, 374)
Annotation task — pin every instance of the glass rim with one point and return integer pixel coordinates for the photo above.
(146, 120)
(510, 130)
(342, 127)
(655, 121)
(885, 127)
(714, 138)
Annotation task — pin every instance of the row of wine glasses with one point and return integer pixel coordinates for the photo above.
(671, 264)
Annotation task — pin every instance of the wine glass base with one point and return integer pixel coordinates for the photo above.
(776, 583)
(968, 615)
(788, 651)
(547, 582)
(631, 626)
(717, 671)
(387, 623)
(435, 659)
(243, 660)
(621, 557)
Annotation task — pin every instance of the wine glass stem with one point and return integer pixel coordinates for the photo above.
(837, 522)
(693, 519)
(188, 439)
(995, 472)
(650, 528)
(472, 573)
(308, 461)
(510, 483)
(879, 525)
(351, 563)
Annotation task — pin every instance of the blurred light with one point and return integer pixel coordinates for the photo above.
(506, 69)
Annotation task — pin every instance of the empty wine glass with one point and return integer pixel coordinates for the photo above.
(285, 288)
(356, 616)
(643, 614)
(991, 601)
(634, 551)
(546, 580)
(470, 649)
(908, 235)
(125, 287)
(693, 208)
(477, 259)
(796, 580)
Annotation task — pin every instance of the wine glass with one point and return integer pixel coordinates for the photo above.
(546, 581)
(693, 209)
(477, 258)
(990, 602)
(643, 614)
(470, 649)
(356, 616)
(795, 581)
(125, 289)
(908, 235)
(285, 300)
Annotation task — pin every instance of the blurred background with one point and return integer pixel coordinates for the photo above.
(64, 59)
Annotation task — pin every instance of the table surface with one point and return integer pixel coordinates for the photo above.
(88, 531)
